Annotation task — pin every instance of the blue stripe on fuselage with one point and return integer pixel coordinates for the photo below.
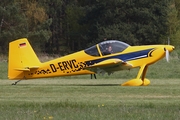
(123, 57)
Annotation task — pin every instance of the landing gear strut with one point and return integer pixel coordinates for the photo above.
(94, 76)
(140, 80)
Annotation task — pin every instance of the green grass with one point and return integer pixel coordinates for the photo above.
(102, 99)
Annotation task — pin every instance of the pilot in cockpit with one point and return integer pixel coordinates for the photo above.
(106, 48)
(109, 50)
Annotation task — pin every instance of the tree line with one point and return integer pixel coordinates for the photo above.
(66, 26)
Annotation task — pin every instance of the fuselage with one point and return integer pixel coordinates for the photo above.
(75, 63)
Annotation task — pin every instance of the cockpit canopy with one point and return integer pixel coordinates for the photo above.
(107, 47)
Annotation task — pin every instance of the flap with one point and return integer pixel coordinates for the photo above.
(106, 63)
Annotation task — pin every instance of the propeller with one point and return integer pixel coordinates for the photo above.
(167, 55)
(167, 51)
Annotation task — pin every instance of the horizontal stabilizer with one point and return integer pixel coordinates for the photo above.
(27, 68)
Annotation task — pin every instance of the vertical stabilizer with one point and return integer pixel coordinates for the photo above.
(21, 58)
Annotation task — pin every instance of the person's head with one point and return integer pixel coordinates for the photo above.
(110, 49)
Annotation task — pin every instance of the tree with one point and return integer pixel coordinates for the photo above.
(23, 18)
(65, 26)
(38, 25)
(173, 23)
(66, 30)
(74, 29)
(13, 24)
(135, 22)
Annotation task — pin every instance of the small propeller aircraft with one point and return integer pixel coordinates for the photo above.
(108, 56)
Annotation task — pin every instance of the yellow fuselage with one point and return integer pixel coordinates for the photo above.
(24, 64)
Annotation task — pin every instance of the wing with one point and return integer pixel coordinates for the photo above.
(109, 66)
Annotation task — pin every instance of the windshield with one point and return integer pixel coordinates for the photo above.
(112, 46)
(93, 51)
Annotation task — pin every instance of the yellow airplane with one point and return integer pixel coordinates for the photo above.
(108, 56)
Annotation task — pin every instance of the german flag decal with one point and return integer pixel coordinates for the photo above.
(22, 45)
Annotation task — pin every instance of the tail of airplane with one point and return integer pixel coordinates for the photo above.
(21, 58)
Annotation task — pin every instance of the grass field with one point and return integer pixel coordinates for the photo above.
(82, 98)
(86, 99)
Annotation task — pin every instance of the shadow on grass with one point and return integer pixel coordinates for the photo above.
(90, 85)
(69, 85)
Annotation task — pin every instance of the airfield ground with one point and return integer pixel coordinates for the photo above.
(72, 99)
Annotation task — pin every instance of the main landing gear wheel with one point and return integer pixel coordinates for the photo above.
(136, 82)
